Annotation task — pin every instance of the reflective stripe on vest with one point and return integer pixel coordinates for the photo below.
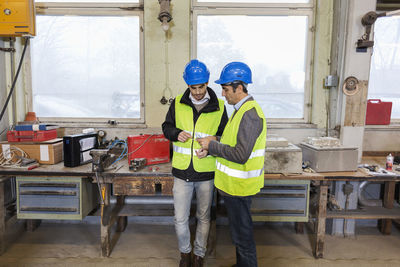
(182, 150)
(206, 125)
(186, 151)
(257, 153)
(200, 135)
(237, 173)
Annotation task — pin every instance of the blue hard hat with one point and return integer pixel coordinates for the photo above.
(235, 71)
(196, 72)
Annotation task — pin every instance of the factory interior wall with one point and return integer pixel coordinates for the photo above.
(178, 41)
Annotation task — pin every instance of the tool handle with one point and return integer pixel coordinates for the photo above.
(374, 101)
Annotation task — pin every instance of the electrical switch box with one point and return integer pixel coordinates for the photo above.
(17, 18)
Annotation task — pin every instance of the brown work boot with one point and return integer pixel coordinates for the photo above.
(185, 260)
(197, 261)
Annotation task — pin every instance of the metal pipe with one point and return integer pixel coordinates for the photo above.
(363, 200)
(12, 67)
(145, 200)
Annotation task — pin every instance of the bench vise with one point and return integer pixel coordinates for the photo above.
(102, 159)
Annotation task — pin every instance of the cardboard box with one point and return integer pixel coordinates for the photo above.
(47, 152)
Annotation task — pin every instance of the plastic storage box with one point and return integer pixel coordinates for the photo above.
(378, 112)
(154, 148)
(31, 136)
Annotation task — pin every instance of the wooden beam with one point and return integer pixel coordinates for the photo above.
(321, 220)
(105, 228)
(388, 202)
(356, 106)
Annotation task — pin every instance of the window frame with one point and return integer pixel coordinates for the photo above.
(196, 3)
(91, 9)
(266, 10)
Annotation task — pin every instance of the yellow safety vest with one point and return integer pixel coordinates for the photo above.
(242, 179)
(206, 125)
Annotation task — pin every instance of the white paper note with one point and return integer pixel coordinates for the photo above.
(87, 143)
(44, 153)
(6, 151)
(86, 156)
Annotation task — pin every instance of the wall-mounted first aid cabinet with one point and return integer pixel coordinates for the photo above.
(17, 18)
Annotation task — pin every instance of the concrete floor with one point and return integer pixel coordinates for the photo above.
(66, 244)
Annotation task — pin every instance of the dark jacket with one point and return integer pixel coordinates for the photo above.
(171, 132)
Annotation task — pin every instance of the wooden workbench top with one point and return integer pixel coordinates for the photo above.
(164, 170)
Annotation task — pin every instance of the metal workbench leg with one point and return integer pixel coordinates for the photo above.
(299, 227)
(105, 222)
(321, 219)
(32, 224)
(388, 200)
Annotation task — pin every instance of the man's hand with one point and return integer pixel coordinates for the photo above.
(184, 136)
(205, 141)
(201, 153)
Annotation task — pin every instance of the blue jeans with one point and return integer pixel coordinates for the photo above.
(183, 192)
(241, 227)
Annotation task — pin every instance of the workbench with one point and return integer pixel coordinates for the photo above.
(158, 180)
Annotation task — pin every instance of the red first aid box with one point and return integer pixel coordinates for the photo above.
(378, 112)
(31, 136)
(153, 147)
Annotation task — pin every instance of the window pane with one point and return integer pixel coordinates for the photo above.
(256, 1)
(86, 67)
(88, 1)
(384, 77)
(273, 46)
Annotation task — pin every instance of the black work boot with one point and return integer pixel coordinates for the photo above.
(197, 261)
(185, 260)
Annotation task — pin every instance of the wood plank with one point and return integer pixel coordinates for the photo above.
(356, 106)
(366, 213)
(143, 186)
(321, 220)
(104, 228)
(388, 202)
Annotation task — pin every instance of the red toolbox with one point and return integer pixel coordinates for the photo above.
(378, 112)
(31, 136)
(153, 147)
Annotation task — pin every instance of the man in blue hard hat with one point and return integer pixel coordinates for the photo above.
(240, 158)
(196, 113)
